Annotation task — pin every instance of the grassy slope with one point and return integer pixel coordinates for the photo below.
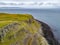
(27, 24)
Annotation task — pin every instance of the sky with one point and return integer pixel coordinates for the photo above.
(33, 0)
(30, 3)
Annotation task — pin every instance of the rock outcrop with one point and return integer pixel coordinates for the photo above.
(48, 34)
(23, 29)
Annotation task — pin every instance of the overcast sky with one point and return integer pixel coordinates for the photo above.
(33, 0)
(48, 4)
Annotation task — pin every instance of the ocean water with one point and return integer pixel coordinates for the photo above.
(49, 16)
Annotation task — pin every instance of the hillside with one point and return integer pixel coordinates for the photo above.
(21, 29)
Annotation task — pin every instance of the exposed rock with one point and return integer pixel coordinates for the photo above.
(23, 29)
(48, 34)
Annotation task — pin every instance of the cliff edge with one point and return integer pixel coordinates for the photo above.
(23, 29)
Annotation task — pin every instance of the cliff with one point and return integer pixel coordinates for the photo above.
(23, 29)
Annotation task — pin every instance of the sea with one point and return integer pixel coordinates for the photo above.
(48, 16)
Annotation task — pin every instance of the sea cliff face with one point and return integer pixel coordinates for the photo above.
(21, 29)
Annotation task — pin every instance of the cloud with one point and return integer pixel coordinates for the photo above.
(32, 0)
(30, 4)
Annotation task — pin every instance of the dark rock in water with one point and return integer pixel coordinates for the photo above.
(48, 34)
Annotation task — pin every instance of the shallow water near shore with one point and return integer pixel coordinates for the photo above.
(49, 16)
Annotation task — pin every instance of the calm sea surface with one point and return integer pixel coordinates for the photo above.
(49, 16)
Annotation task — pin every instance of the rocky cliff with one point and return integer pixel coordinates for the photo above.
(23, 29)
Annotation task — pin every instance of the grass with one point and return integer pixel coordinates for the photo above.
(5, 16)
(28, 25)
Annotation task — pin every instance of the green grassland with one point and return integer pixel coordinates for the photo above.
(14, 28)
